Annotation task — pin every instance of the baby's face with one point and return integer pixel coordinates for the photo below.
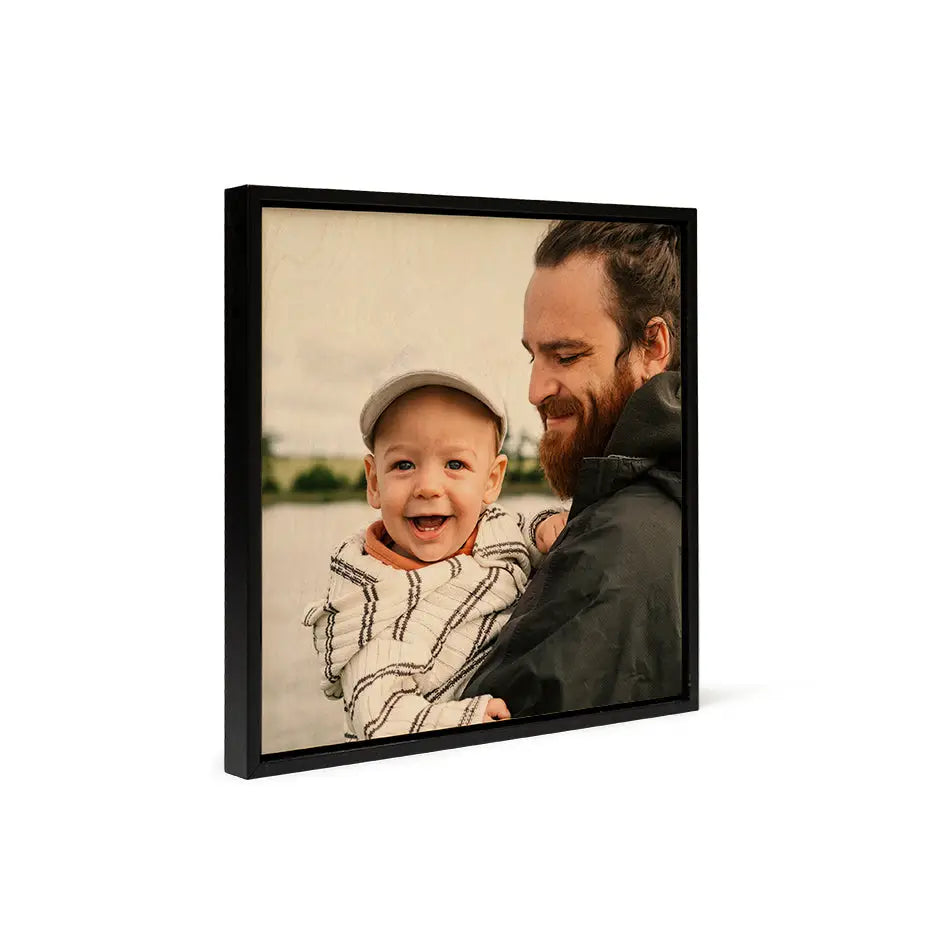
(433, 470)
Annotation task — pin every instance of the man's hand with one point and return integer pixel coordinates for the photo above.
(496, 709)
(549, 530)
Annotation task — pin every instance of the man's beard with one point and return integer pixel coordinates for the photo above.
(560, 453)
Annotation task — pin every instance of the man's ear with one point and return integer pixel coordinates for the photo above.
(371, 474)
(655, 348)
(493, 487)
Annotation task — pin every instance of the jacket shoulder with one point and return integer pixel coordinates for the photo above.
(638, 525)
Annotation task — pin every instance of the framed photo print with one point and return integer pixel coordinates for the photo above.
(461, 471)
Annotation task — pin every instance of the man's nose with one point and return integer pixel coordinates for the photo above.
(429, 483)
(542, 384)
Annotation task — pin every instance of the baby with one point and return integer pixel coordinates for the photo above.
(416, 600)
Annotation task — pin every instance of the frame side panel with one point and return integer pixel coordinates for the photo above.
(237, 659)
(689, 469)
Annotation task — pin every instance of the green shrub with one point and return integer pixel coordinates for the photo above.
(318, 478)
(270, 487)
(517, 473)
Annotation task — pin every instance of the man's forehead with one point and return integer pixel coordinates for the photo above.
(578, 279)
(567, 304)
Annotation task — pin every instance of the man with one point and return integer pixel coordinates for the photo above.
(600, 622)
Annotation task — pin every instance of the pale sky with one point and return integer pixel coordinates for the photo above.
(344, 292)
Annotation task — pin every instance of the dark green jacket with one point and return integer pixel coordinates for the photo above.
(600, 621)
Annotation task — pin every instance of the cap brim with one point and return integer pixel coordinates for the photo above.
(389, 392)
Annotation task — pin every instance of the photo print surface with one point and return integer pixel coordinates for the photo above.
(471, 471)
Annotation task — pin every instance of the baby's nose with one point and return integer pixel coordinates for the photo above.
(428, 484)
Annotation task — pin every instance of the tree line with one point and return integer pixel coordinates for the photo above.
(320, 477)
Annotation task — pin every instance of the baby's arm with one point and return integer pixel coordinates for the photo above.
(541, 530)
(549, 530)
(380, 686)
(497, 709)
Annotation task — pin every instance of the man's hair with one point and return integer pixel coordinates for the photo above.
(643, 268)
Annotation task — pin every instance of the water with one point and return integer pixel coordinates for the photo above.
(297, 542)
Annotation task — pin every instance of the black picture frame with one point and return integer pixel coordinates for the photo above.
(243, 625)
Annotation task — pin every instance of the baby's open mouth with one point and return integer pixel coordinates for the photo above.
(429, 524)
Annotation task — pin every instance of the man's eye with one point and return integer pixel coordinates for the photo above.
(455, 464)
(568, 359)
(403, 464)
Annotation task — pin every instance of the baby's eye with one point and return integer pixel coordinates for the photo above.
(455, 464)
(403, 464)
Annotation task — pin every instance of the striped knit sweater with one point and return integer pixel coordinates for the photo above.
(399, 646)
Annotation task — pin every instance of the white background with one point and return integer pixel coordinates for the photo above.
(800, 799)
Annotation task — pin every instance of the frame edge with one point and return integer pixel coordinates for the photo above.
(240, 760)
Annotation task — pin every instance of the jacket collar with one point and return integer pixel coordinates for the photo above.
(645, 441)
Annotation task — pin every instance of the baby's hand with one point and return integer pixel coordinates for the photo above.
(549, 530)
(496, 709)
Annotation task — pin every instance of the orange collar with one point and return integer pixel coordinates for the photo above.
(380, 546)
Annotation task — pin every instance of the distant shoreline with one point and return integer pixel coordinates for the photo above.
(325, 496)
